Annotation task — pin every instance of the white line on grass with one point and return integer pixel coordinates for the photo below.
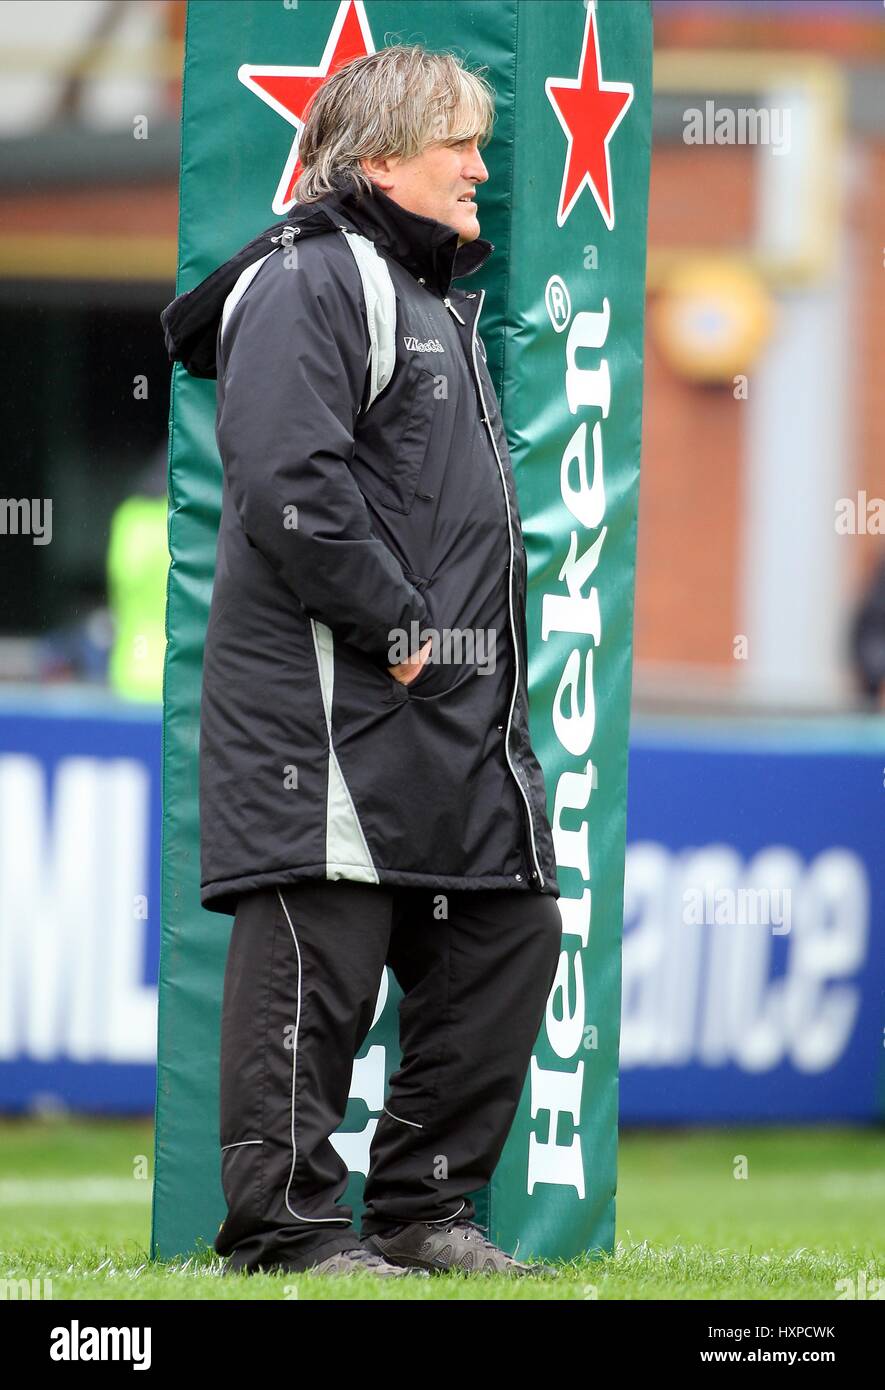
(39, 1192)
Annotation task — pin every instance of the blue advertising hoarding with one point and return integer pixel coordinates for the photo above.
(79, 903)
(753, 972)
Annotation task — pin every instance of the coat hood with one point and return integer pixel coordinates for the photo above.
(427, 248)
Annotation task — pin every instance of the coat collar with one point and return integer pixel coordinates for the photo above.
(425, 247)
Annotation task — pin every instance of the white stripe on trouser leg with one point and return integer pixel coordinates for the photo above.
(314, 1220)
(445, 1218)
(240, 1144)
(413, 1123)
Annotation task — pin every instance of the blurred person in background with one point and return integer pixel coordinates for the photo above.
(137, 566)
(868, 641)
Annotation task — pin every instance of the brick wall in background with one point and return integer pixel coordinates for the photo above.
(866, 217)
(690, 507)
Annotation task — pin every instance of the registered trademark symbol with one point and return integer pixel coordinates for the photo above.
(558, 301)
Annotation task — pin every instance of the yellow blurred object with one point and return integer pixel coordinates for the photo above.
(712, 318)
(138, 563)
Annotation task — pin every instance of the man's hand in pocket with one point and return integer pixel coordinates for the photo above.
(406, 671)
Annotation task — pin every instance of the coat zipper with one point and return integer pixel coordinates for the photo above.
(488, 422)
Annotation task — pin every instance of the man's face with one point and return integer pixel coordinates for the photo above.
(438, 183)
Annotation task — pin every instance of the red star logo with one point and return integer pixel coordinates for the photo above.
(288, 90)
(589, 111)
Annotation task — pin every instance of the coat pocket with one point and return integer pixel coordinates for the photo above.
(448, 666)
(410, 450)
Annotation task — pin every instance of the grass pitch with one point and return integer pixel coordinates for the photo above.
(809, 1215)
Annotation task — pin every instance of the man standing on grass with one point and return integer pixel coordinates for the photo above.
(368, 790)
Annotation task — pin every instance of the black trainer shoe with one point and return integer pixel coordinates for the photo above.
(458, 1245)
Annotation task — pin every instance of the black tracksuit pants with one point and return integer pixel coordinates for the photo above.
(302, 978)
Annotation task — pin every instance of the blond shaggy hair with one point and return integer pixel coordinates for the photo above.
(393, 102)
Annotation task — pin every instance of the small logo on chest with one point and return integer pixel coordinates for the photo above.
(423, 345)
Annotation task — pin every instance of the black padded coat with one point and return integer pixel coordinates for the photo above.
(355, 523)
